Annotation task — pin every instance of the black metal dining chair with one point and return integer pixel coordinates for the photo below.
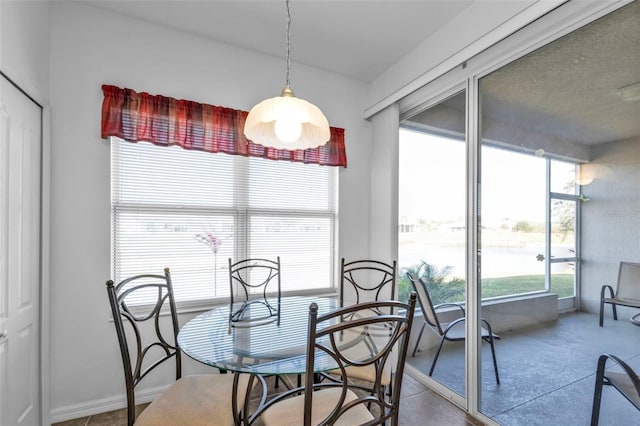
(366, 280)
(251, 282)
(146, 344)
(355, 335)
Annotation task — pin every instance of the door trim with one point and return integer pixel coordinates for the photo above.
(45, 265)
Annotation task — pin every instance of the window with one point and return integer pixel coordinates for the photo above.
(191, 211)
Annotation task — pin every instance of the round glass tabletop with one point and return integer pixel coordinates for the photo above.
(262, 348)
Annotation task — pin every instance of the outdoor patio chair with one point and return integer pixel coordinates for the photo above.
(453, 331)
(627, 291)
(253, 280)
(625, 382)
(194, 400)
(336, 336)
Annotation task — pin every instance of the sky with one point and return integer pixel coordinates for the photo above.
(433, 181)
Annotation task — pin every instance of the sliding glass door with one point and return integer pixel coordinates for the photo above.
(432, 228)
(535, 130)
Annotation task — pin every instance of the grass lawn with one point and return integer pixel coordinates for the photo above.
(562, 284)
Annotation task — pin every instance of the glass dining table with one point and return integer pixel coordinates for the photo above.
(260, 350)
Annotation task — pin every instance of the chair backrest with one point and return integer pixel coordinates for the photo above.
(367, 280)
(426, 305)
(153, 345)
(358, 336)
(249, 277)
(628, 281)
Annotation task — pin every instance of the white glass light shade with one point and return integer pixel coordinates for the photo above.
(287, 122)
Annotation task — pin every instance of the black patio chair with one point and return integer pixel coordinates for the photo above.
(625, 382)
(454, 331)
(627, 291)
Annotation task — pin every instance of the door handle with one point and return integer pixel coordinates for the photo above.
(3, 334)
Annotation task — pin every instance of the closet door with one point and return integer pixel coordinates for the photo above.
(20, 218)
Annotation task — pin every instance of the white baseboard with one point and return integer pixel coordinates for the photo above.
(97, 406)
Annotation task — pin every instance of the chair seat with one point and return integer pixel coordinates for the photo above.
(367, 373)
(195, 400)
(290, 412)
(634, 303)
(623, 383)
(458, 331)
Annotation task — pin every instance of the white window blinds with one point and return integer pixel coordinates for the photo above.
(191, 211)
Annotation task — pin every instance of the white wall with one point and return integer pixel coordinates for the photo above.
(610, 220)
(90, 47)
(24, 45)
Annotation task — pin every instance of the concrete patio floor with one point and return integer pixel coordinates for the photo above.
(547, 372)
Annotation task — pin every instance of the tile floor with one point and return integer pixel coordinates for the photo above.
(419, 406)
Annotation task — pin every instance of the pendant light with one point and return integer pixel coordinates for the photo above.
(287, 122)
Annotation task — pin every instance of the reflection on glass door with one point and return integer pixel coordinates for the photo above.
(432, 230)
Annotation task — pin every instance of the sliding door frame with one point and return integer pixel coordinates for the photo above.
(442, 91)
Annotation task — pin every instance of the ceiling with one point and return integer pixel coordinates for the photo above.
(570, 85)
(562, 97)
(355, 38)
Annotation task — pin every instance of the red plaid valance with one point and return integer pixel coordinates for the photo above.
(166, 121)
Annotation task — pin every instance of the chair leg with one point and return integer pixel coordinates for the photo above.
(493, 355)
(435, 358)
(601, 312)
(597, 393)
(413, 355)
(615, 312)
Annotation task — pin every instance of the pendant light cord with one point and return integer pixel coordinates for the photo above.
(288, 43)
